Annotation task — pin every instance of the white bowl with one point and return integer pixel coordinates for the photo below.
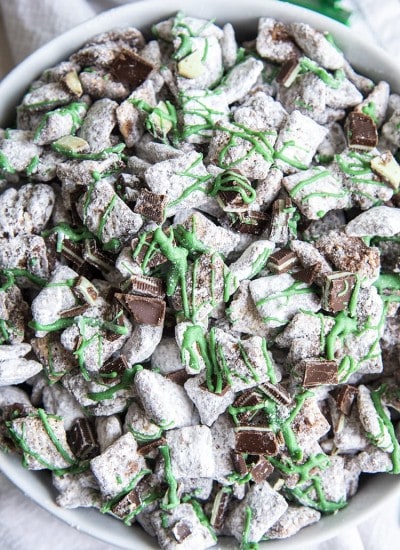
(369, 60)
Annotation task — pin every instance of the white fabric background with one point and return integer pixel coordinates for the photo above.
(24, 26)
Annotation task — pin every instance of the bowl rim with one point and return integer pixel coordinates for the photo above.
(13, 86)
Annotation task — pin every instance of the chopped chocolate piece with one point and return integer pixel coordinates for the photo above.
(337, 291)
(261, 469)
(94, 256)
(344, 396)
(130, 69)
(288, 72)
(239, 463)
(256, 441)
(251, 222)
(249, 398)
(181, 530)
(307, 275)
(127, 504)
(144, 450)
(276, 392)
(387, 168)
(179, 376)
(361, 131)
(114, 315)
(144, 310)
(231, 201)
(116, 365)
(74, 311)
(282, 260)
(81, 439)
(319, 372)
(145, 286)
(85, 290)
(220, 508)
(151, 205)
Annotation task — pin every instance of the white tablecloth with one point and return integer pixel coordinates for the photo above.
(24, 26)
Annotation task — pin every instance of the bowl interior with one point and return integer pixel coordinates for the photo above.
(366, 58)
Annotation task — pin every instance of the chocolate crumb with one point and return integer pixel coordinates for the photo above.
(239, 463)
(261, 469)
(344, 396)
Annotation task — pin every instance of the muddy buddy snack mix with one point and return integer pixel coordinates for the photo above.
(200, 280)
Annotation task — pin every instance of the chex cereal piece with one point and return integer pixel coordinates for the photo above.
(106, 215)
(173, 177)
(118, 465)
(363, 83)
(310, 424)
(201, 109)
(13, 310)
(137, 423)
(252, 260)
(297, 143)
(164, 401)
(99, 84)
(274, 41)
(268, 188)
(243, 313)
(25, 252)
(47, 97)
(349, 254)
(57, 400)
(60, 122)
(316, 46)
(27, 210)
(108, 430)
(343, 97)
(290, 523)
(382, 221)
(334, 143)
(232, 146)
(130, 118)
(201, 68)
(264, 506)
(241, 78)
(166, 357)
(229, 46)
(260, 112)
(18, 153)
(191, 452)
(279, 297)
(209, 404)
(283, 221)
(349, 434)
(371, 420)
(18, 370)
(316, 191)
(390, 130)
(39, 448)
(98, 124)
(309, 256)
(210, 235)
(59, 294)
(184, 529)
(373, 460)
(77, 490)
(376, 103)
(142, 342)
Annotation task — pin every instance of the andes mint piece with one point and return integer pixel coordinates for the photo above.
(282, 260)
(73, 252)
(231, 201)
(307, 275)
(319, 372)
(239, 463)
(130, 69)
(145, 450)
(256, 441)
(115, 316)
(181, 530)
(220, 508)
(344, 396)
(361, 131)
(337, 291)
(151, 205)
(387, 168)
(116, 365)
(276, 392)
(249, 398)
(261, 469)
(288, 72)
(127, 504)
(251, 222)
(74, 311)
(145, 286)
(145, 255)
(81, 439)
(85, 290)
(144, 310)
(96, 257)
(179, 376)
